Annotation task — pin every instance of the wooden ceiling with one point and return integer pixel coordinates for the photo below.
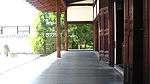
(48, 5)
(51, 5)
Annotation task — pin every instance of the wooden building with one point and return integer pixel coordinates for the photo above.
(121, 31)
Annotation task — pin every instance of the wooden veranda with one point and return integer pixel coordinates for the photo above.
(121, 31)
(79, 67)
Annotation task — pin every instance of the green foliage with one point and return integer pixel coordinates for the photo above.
(43, 40)
(37, 44)
(80, 36)
(44, 25)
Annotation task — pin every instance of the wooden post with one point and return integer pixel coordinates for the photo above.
(58, 36)
(66, 30)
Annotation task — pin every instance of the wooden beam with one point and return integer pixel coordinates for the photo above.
(80, 22)
(81, 4)
(58, 36)
(66, 31)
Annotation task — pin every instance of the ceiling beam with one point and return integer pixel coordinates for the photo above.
(80, 22)
(81, 4)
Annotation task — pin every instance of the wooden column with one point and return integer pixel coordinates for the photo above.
(111, 32)
(66, 30)
(58, 26)
(146, 50)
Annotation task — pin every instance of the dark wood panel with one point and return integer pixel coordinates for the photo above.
(101, 20)
(146, 62)
(128, 41)
(133, 42)
(119, 31)
(99, 34)
(105, 20)
(103, 3)
(104, 34)
(111, 31)
(138, 42)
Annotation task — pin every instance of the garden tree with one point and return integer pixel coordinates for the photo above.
(44, 39)
(81, 36)
(44, 24)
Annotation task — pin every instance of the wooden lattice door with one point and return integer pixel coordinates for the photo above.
(128, 41)
(104, 34)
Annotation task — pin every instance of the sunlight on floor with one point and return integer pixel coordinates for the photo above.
(27, 73)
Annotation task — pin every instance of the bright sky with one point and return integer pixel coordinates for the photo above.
(16, 12)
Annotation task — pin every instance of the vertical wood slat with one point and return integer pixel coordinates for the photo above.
(98, 32)
(66, 31)
(131, 28)
(128, 41)
(111, 31)
(146, 60)
(102, 32)
(95, 36)
(125, 43)
(126, 31)
(106, 35)
(58, 36)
